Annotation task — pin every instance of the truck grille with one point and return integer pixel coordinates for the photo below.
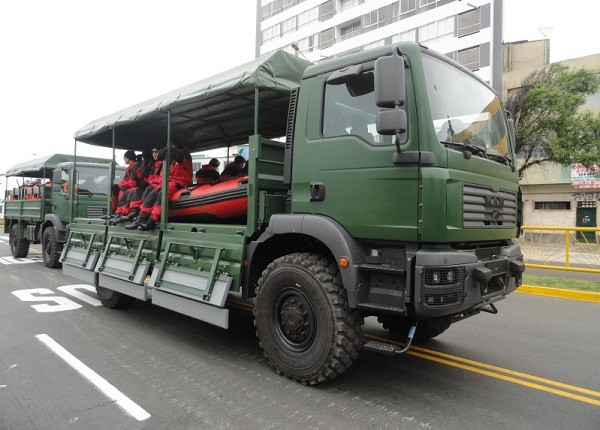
(443, 293)
(95, 211)
(485, 208)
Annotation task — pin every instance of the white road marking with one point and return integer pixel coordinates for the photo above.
(124, 402)
(72, 291)
(12, 260)
(45, 295)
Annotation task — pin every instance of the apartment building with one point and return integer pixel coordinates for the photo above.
(467, 31)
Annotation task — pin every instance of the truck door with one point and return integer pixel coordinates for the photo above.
(344, 169)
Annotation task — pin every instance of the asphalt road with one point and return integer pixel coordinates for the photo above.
(534, 365)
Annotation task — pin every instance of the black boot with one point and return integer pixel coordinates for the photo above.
(117, 218)
(141, 219)
(135, 224)
(148, 225)
(131, 216)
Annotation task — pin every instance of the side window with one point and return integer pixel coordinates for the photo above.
(350, 109)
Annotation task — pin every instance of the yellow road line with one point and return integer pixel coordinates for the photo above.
(496, 372)
(557, 292)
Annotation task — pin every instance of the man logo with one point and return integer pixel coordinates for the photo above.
(494, 202)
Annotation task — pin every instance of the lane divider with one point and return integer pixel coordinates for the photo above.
(519, 378)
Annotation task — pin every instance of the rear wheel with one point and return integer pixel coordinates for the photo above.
(426, 329)
(51, 248)
(114, 300)
(19, 248)
(303, 322)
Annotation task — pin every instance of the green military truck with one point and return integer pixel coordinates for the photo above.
(382, 183)
(39, 209)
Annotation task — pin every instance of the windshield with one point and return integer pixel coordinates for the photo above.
(464, 111)
(94, 180)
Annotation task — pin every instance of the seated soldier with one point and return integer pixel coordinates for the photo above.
(233, 169)
(208, 173)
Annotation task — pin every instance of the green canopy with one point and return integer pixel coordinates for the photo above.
(42, 167)
(211, 113)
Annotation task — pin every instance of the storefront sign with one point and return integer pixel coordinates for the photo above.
(583, 177)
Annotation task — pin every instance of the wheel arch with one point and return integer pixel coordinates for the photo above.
(52, 220)
(290, 233)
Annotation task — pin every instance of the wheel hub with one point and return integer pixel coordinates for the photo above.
(295, 320)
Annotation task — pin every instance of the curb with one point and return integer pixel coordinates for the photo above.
(557, 292)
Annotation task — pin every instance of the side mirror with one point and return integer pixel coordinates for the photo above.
(391, 121)
(56, 177)
(390, 85)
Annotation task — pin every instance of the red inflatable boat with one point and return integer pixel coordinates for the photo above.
(225, 201)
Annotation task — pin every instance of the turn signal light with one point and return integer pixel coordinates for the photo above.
(343, 262)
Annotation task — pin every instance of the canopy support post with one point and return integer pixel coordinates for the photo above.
(256, 102)
(73, 183)
(164, 197)
(111, 176)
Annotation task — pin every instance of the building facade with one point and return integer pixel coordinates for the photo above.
(553, 194)
(467, 31)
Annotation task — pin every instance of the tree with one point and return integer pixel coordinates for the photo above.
(550, 127)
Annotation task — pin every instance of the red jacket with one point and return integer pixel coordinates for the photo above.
(182, 172)
(132, 175)
(155, 179)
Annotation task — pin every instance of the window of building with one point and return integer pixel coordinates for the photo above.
(375, 44)
(423, 3)
(326, 10)
(350, 30)
(469, 58)
(350, 109)
(410, 36)
(308, 44)
(271, 33)
(407, 6)
(308, 17)
(437, 31)
(326, 38)
(347, 4)
(288, 25)
(586, 204)
(374, 19)
(469, 22)
(552, 206)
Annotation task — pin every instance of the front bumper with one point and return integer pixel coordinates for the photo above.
(451, 281)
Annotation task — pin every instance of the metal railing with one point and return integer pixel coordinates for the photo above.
(575, 249)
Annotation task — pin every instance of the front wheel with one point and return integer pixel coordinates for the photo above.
(303, 322)
(19, 247)
(51, 248)
(112, 299)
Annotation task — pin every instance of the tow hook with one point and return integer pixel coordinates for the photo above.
(388, 348)
(489, 308)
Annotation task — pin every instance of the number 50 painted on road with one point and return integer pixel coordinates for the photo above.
(61, 303)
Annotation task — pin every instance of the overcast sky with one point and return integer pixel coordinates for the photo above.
(65, 63)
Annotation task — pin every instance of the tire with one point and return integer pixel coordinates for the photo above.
(19, 248)
(51, 248)
(304, 325)
(426, 329)
(114, 300)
